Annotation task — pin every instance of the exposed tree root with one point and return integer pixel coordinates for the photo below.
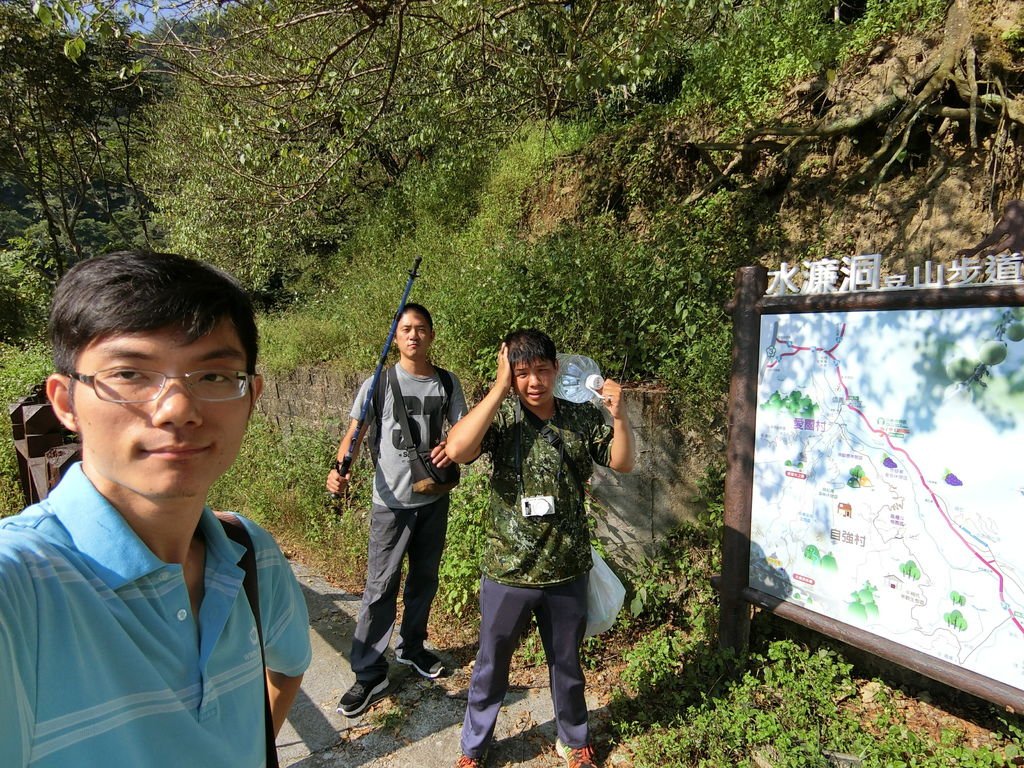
(913, 103)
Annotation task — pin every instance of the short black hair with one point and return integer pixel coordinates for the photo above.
(138, 291)
(529, 344)
(420, 310)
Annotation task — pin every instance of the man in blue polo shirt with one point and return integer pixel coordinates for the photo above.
(126, 638)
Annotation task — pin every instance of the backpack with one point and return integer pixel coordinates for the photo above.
(372, 439)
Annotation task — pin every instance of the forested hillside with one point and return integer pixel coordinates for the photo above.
(598, 169)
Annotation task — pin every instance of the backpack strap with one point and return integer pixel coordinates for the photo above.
(250, 583)
(448, 386)
(373, 431)
(401, 413)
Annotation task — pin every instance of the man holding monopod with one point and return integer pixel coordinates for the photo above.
(400, 414)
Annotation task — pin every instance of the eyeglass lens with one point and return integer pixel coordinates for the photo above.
(132, 385)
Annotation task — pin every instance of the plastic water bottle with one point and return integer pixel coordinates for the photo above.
(579, 379)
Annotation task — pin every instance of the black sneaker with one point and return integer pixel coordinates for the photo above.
(423, 661)
(361, 695)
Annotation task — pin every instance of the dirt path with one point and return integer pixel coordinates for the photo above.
(418, 722)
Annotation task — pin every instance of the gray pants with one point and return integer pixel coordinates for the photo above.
(561, 613)
(418, 532)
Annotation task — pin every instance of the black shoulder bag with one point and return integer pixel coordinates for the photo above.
(427, 477)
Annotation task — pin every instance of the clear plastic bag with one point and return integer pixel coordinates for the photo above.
(605, 594)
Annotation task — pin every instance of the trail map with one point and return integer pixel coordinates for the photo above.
(888, 487)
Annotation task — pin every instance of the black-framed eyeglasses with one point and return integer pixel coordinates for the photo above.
(135, 385)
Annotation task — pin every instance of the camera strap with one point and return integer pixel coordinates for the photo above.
(545, 430)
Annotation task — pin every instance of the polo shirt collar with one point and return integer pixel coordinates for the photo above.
(218, 545)
(101, 535)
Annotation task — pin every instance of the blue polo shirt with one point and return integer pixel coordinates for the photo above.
(102, 662)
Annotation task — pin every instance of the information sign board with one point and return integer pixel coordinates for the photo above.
(884, 505)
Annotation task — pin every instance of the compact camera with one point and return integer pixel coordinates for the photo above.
(538, 506)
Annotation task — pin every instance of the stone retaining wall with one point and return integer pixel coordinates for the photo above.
(635, 510)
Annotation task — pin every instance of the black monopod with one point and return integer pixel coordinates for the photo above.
(345, 464)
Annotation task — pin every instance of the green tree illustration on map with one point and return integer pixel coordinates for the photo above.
(911, 570)
(828, 561)
(956, 620)
(863, 606)
(796, 403)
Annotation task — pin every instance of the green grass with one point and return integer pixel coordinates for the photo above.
(21, 369)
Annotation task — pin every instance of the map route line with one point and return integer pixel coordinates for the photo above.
(885, 437)
(795, 351)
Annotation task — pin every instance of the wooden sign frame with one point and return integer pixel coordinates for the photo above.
(736, 594)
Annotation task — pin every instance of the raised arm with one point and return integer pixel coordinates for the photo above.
(465, 437)
(623, 451)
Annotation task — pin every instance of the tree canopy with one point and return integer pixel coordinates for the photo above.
(72, 130)
(291, 113)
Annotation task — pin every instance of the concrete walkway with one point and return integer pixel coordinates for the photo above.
(418, 722)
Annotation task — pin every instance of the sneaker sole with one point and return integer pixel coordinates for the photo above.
(560, 751)
(563, 752)
(370, 699)
(425, 673)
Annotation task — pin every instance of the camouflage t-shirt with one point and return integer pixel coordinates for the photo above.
(540, 551)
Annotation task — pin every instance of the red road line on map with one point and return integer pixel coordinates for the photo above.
(796, 350)
(885, 436)
(920, 474)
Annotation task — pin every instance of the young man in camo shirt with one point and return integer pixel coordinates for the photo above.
(536, 556)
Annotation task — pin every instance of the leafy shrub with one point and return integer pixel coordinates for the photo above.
(278, 481)
(24, 295)
(738, 73)
(460, 566)
(270, 480)
(778, 706)
(882, 19)
(654, 659)
(301, 337)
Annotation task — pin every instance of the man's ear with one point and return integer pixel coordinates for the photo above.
(58, 390)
